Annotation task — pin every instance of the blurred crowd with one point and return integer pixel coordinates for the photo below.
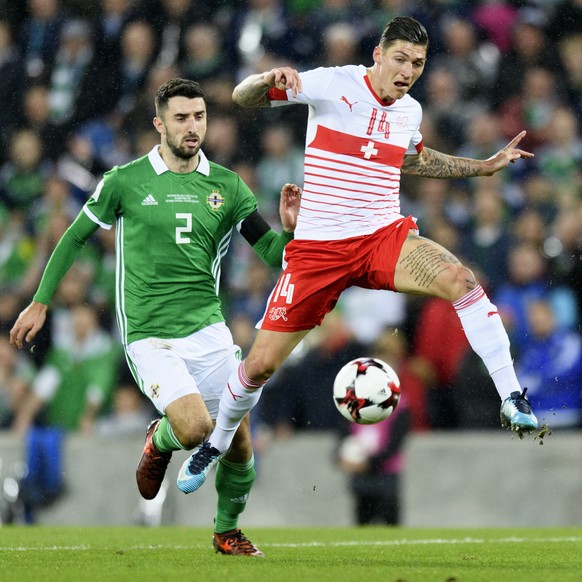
(77, 91)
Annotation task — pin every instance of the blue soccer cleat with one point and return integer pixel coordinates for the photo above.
(517, 415)
(195, 469)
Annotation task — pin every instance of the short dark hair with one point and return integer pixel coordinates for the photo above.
(177, 87)
(404, 28)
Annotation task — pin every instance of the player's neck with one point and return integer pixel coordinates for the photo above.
(176, 164)
(377, 86)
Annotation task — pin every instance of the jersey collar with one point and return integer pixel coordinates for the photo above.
(160, 166)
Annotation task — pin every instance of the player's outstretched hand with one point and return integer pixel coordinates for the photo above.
(28, 324)
(284, 78)
(507, 155)
(289, 206)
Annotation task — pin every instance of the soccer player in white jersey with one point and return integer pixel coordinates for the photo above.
(174, 213)
(362, 133)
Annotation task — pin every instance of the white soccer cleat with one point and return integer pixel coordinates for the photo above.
(195, 469)
(516, 414)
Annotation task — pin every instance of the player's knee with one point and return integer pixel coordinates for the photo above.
(457, 281)
(259, 368)
(193, 436)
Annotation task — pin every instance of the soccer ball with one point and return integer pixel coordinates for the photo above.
(366, 390)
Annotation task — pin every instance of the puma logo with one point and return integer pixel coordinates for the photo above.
(234, 396)
(345, 100)
(492, 313)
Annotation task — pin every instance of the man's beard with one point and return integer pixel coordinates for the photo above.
(182, 152)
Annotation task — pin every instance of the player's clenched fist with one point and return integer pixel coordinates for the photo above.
(284, 78)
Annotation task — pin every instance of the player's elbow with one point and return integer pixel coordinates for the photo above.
(236, 96)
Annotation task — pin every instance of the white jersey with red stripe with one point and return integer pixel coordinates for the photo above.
(354, 149)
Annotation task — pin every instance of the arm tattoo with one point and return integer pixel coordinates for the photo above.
(470, 280)
(252, 92)
(426, 262)
(432, 164)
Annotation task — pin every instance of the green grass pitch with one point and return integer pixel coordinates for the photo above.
(367, 554)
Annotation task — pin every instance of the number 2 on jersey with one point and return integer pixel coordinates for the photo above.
(181, 239)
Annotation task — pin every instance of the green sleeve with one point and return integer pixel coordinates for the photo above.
(64, 255)
(270, 247)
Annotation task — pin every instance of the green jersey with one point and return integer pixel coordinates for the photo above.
(172, 231)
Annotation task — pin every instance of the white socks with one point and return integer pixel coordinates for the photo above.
(238, 398)
(488, 338)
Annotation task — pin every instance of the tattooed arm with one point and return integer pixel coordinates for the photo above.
(253, 91)
(433, 164)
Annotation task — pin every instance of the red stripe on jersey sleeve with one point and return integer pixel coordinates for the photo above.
(277, 94)
(419, 146)
(345, 144)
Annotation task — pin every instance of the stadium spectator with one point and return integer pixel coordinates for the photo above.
(564, 249)
(341, 45)
(75, 73)
(529, 227)
(559, 159)
(222, 141)
(137, 53)
(39, 36)
(11, 89)
(170, 19)
(571, 56)
(373, 455)
(108, 24)
(527, 281)
(76, 382)
(551, 367)
(367, 312)
(16, 376)
(130, 411)
(473, 62)
(373, 458)
(281, 161)
(36, 116)
(438, 347)
(530, 48)
(206, 60)
(250, 300)
(533, 106)
(258, 28)
(71, 389)
(23, 176)
(565, 20)
(497, 20)
(487, 241)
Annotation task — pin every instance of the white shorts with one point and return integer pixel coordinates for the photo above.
(167, 369)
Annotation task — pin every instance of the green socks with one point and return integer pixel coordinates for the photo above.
(164, 437)
(233, 485)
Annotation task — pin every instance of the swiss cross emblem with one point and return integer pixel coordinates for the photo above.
(369, 150)
(215, 200)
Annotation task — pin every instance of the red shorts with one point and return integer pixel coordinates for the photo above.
(318, 271)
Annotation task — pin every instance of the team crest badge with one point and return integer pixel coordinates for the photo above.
(215, 200)
(155, 390)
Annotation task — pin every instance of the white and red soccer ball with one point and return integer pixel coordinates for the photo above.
(366, 390)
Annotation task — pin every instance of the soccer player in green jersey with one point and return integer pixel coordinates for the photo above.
(174, 213)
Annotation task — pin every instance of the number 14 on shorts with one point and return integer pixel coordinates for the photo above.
(284, 289)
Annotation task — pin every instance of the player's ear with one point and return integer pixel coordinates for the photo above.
(159, 125)
(377, 54)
